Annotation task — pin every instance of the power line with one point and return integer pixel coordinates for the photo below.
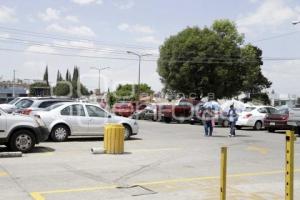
(276, 36)
(49, 36)
(70, 47)
(211, 61)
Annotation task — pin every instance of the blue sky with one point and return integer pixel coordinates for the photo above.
(108, 28)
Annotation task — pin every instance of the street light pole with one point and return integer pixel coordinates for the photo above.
(139, 73)
(13, 88)
(99, 71)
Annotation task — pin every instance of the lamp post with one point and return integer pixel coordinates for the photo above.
(99, 69)
(139, 73)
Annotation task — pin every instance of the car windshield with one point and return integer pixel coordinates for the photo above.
(54, 106)
(249, 109)
(14, 101)
(283, 111)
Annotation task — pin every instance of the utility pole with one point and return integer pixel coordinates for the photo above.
(99, 69)
(139, 73)
(13, 88)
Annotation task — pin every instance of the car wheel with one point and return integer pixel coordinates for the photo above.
(271, 130)
(257, 125)
(128, 132)
(238, 127)
(225, 123)
(168, 120)
(60, 133)
(22, 140)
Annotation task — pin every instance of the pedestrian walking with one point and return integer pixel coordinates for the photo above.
(232, 117)
(207, 117)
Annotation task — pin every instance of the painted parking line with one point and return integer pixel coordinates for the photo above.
(41, 195)
(3, 174)
(261, 150)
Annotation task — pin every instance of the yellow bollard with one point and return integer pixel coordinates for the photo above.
(223, 173)
(114, 138)
(289, 174)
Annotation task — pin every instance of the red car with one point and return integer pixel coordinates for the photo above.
(277, 121)
(126, 109)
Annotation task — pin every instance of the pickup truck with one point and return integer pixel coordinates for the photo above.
(294, 119)
(21, 132)
(180, 112)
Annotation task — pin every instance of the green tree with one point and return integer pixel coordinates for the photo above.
(68, 76)
(39, 89)
(62, 89)
(46, 78)
(210, 60)
(128, 91)
(58, 77)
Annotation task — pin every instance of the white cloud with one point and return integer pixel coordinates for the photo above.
(86, 2)
(4, 36)
(135, 28)
(72, 18)
(7, 14)
(269, 14)
(283, 75)
(149, 40)
(49, 15)
(124, 4)
(42, 49)
(71, 30)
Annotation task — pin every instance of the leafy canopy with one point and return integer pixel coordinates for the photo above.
(211, 60)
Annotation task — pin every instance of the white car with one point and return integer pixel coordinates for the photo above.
(254, 116)
(21, 132)
(81, 119)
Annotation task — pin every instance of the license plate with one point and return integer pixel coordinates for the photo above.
(272, 123)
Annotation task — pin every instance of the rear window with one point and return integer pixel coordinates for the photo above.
(14, 101)
(54, 106)
(25, 103)
(249, 109)
(46, 104)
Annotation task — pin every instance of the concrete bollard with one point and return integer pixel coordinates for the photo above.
(114, 138)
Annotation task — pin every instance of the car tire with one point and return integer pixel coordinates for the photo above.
(22, 140)
(238, 127)
(225, 123)
(128, 132)
(271, 130)
(168, 120)
(60, 133)
(258, 125)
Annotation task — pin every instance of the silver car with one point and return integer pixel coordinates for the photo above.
(81, 119)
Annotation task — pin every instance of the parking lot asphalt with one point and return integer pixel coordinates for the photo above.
(165, 161)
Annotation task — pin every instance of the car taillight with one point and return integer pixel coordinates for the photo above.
(285, 117)
(26, 111)
(247, 116)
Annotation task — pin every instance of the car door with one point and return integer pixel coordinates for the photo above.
(76, 118)
(262, 112)
(97, 119)
(3, 132)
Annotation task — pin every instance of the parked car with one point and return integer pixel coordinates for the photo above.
(277, 120)
(37, 104)
(81, 119)
(126, 109)
(254, 116)
(11, 106)
(183, 110)
(294, 118)
(21, 132)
